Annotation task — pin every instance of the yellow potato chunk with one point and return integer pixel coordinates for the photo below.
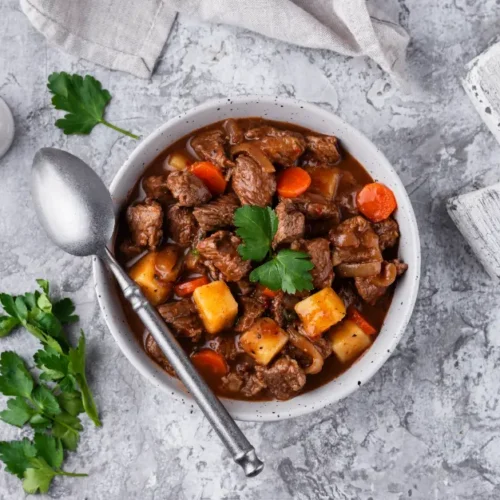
(324, 181)
(216, 306)
(144, 274)
(177, 161)
(264, 340)
(320, 311)
(348, 341)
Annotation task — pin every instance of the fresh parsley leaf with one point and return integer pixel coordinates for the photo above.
(77, 367)
(45, 400)
(7, 324)
(15, 379)
(8, 303)
(84, 99)
(44, 285)
(40, 422)
(21, 309)
(38, 478)
(71, 402)
(18, 412)
(16, 456)
(53, 364)
(67, 428)
(50, 449)
(289, 271)
(257, 227)
(63, 310)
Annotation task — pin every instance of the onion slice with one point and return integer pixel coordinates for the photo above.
(387, 276)
(254, 151)
(359, 270)
(306, 346)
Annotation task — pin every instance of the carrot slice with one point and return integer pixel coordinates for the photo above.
(267, 292)
(188, 287)
(209, 363)
(354, 315)
(292, 182)
(376, 201)
(211, 176)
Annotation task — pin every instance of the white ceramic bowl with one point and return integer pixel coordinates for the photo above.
(371, 158)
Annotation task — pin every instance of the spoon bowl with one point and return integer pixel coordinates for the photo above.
(73, 204)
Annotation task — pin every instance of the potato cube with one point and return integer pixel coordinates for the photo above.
(324, 181)
(178, 161)
(264, 340)
(144, 274)
(348, 341)
(320, 311)
(216, 306)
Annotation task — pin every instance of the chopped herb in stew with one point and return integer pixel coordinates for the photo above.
(268, 250)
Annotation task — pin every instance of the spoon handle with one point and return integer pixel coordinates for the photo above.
(235, 441)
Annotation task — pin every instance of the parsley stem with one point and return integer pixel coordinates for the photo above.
(61, 472)
(118, 129)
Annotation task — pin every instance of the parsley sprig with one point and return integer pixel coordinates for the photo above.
(51, 404)
(288, 270)
(84, 99)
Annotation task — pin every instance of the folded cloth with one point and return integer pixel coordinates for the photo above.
(128, 35)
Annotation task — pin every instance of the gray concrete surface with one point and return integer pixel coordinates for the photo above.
(426, 426)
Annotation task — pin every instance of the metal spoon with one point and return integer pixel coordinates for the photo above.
(76, 210)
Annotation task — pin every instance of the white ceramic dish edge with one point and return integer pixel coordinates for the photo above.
(317, 119)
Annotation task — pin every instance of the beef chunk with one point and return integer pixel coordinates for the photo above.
(188, 189)
(153, 349)
(225, 345)
(182, 226)
(322, 149)
(193, 263)
(155, 187)
(347, 293)
(220, 251)
(282, 308)
(251, 309)
(232, 382)
(183, 318)
(284, 378)
(129, 250)
(253, 385)
(291, 223)
(145, 221)
(210, 146)
(372, 288)
(242, 287)
(401, 267)
(387, 232)
(355, 242)
(280, 146)
(347, 192)
(319, 250)
(315, 206)
(233, 131)
(218, 213)
(252, 185)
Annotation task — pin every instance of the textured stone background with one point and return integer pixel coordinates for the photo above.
(426, 425)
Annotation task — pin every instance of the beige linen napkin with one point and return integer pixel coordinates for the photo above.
(128, 35)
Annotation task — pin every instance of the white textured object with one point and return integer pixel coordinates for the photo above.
(133, 37)
(477, 216)
(482, 84)
(6, 128)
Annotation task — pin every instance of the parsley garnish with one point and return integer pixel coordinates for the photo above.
(50, 404)
(288, 270)
(256, 227)
(84, 99)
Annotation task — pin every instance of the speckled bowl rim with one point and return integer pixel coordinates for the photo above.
(317, 119)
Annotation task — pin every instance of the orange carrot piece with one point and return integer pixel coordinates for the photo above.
(211, 176)
(188, 287)
(210, 363)
(267, 292)
(354, 315)
(292, 182)
(376, 201)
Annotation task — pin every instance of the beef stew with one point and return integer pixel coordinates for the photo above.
(181, 242)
